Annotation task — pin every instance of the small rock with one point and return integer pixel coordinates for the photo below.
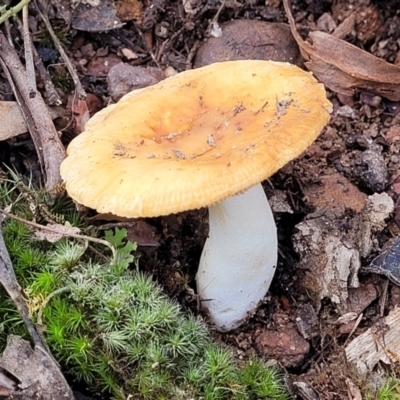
(336, 193)
(129, 54)
(370, 99)
(393, 134)
(314, 151)
(280, 319)
(327, 144)
(326, 23)
(124, 78)
(394, 297)
(100, 66)
(286, 345)
(329, 262)
(279, 203)
(170, 71)
(359, 142)
(360, 298)
(307, 321)
(345, 329)
(249, 39)
(346, 111)
(374, 170)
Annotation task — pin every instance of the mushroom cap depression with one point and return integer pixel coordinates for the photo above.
(195, 138)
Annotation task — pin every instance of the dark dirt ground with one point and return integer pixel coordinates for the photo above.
(357, 155)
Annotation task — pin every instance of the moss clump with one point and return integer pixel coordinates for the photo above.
(114, 329)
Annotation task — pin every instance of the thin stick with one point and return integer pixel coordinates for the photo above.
(78, 86)
(47, 143)
(52, 96)
(216, 16)
(30, 68)
(55, 230)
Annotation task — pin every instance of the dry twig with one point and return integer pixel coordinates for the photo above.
(78, 86)
(30, 68)
(58, 231)
(48, 146)
(52, 97)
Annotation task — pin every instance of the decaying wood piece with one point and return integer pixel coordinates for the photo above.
(48, 145)
(329, 261)
(379, 343)
(37, 373)
(344, 68)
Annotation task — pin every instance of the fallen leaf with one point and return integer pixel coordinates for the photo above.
(13, 122)
(82, 110)
(344, 68)
(55, 232)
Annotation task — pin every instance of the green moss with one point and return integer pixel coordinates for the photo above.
(389, 389)
(113, 328)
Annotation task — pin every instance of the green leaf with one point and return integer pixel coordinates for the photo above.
(123, 247)
(118, 238)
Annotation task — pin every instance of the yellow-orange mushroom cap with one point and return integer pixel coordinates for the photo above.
(195, 138)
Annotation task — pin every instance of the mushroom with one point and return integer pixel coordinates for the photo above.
(204, 137)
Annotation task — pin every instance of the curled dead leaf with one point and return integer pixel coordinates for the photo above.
(344, 68)
(54, 232)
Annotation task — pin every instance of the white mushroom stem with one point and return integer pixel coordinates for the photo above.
(239, 258)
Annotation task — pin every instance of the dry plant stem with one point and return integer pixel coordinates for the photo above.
(52, 96)
(215, 19)
(150, 51)
(78, 86)
(192, 54)
(384, 297)
(354, 328)
(8, 32)
(30, 68)
(48, 145)
(14, 10)
(166, 45)
(54, 230)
